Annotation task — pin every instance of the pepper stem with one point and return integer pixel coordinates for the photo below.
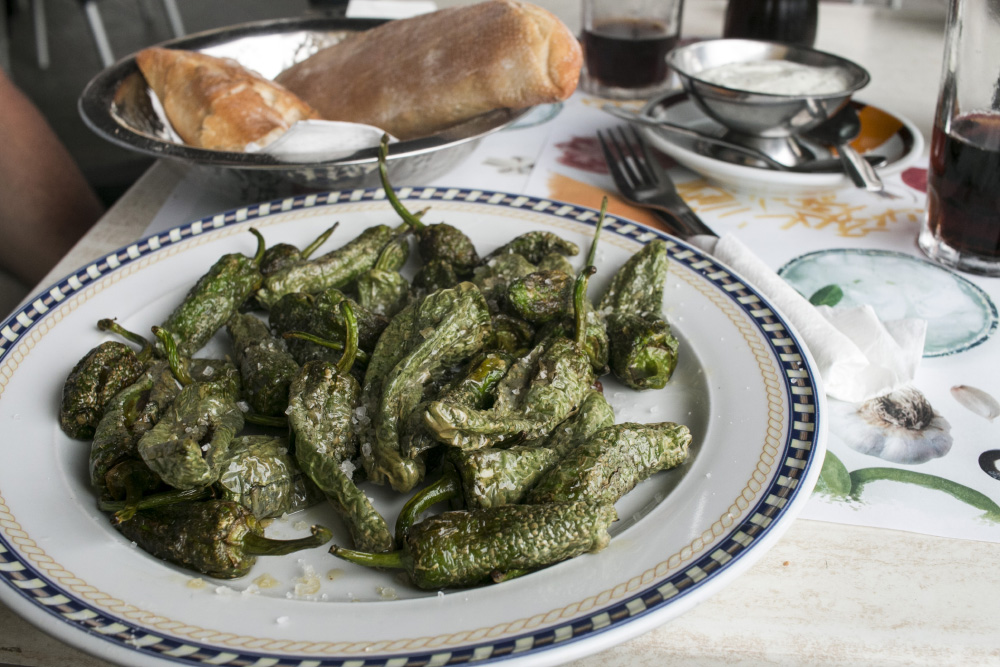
(383, 172)
(390, 559)
(126, 509)
(445, 488)
(261, 247)
(111, 325)
(351, 344)
(258, 545)
(320, 240)
(359, 354)
(177, 363)
(583, 280)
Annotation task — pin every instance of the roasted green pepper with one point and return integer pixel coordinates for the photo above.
(319, 314)
(643, 350)
(97, 378)
(492, 477)
(280, 255)
(535, 246)
(214, 299)
(446, 328)
(322, 417)
(219, 538)
(611, 462)
(464, 547)
(266, 367)
(541, 296)
(435, 242)
(189, 444)
(382, 289)
(337, 268)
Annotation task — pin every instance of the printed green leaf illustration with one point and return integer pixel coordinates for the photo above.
(834, 480)
(827, 296)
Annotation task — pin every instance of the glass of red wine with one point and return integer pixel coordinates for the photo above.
(625, 44)
(962, 226)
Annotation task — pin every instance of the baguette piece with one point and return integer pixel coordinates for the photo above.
(414, 77)
(216, 103)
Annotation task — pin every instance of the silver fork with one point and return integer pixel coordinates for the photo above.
(642, 182)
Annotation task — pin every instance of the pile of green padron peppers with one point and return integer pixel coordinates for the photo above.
(474, 384)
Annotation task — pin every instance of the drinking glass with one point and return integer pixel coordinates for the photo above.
(962, 226)
(786, 21)
(625, 43)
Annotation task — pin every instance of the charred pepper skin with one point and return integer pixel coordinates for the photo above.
(448, 327)
(643, 350)
(218, 538)
(187, 447)
(463, 548)
(337, 268)
(97, 378)
(611, 462)
(214, 299)
(321, 416)
(536, 246)
(494, 276)
(435, 275)
(319, 314)
(266, 367)
(282, 255)
(541, 296)
(383, 290)
(262, 475)
(438, 242)
(540, 391)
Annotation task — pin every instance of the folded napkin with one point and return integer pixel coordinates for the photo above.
(321, 140)
(857, 355)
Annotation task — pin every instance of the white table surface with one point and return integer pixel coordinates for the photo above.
(826, 594)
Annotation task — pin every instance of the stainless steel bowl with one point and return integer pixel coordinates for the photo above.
(761, 114)
(118, 105)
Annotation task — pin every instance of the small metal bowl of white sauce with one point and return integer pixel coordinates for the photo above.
(765, 90)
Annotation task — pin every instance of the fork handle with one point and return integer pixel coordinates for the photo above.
(681, 219)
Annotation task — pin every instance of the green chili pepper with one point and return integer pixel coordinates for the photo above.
(463, 548)
(535, 246)
(435, 242)
(214, 299)
(556, 262)
(218, 538)
(97, 378)
(337, 268)
(448, 327)
(266, 367)
(382, 289)
(540, 391)
(261, 474)
(473, 388)
(132, 412)
(492, 477)
(189, 444)
(320, 315)
(435, 275)
(321, 415)
(643, 350)
(511, 335)
(611, 462)
(493, 277)
(541, 296)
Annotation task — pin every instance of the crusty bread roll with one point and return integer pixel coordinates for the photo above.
(416, 76)
(216, 103)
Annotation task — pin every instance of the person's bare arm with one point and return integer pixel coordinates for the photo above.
(46, 205)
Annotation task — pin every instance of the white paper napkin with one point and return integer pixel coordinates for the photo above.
(857, 355)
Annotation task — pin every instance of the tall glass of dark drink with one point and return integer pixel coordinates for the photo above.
(962, 227)
(625, 44)
(786, 21)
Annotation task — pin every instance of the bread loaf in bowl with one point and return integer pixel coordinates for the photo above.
(414, 77)
(216, 103)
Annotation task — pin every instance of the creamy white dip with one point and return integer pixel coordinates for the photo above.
(777, 77)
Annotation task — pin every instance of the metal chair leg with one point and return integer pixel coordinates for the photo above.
(41, 33)
(100, 35)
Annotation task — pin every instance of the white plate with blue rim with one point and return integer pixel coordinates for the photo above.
(745, 385)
